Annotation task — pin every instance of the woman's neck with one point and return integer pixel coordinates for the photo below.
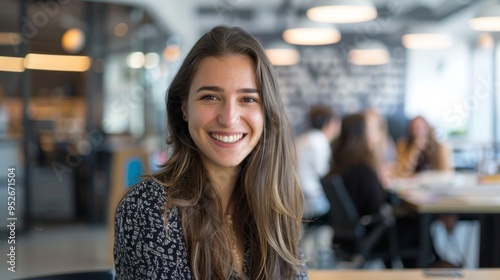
(224, 181)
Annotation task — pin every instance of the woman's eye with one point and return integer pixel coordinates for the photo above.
(249, 99)
(209, 97)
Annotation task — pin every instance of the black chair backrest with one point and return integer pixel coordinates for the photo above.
(94, 275)
(343, 214)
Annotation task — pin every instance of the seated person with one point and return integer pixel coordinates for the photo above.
(385, 154)
(314, 156)
(355, 161)
(420, 150)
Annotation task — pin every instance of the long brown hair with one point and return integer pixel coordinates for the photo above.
(429, 155)
(352, 147)
(268, 194)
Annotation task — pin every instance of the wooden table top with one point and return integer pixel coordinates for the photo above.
(405, 274)
(448, 192)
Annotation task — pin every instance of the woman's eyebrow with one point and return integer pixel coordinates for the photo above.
(219, 89)
(248, 90)
(210, 88)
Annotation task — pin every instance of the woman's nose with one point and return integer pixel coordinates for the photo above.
(229, 114)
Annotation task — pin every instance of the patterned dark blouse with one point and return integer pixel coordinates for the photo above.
(143, 249)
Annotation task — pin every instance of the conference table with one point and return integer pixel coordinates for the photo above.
(432, 193)
(406, 274)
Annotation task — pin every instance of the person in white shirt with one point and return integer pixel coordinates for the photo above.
(314, 154)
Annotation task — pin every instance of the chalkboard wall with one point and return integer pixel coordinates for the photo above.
(324, 75)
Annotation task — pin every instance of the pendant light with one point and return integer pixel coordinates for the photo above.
(307, 32)
(426, 36)
(488, 18)
(282, 54)
(371, 52)
(342, 11)
(427, 41)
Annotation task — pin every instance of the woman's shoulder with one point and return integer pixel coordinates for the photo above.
(147, 189)
(144, 247)
(147, 197)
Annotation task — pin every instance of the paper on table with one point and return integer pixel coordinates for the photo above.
(420, 196)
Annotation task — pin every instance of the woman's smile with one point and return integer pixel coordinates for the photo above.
(225, 138)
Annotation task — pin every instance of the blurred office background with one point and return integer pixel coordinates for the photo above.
(82, 89)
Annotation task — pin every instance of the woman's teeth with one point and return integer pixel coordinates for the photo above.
(226, 138)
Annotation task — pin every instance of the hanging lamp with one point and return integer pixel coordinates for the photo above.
(307, 32)
(342, 11)
(282, 54)
(372, 52)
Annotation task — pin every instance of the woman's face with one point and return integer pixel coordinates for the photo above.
(419, 128)
(224, 110)
(373, 131)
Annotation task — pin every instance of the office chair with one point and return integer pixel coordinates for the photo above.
(92, 275)
(351, 229)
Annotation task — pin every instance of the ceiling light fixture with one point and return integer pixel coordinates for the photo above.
(342, 11)
(488, 18)
(136, 60)
(70, 63)
(307, 32)
(369, 53)
(73, 40)
(121, 29)
(282, 54)
(486, 41)
(151, 60)
(172, 51)
(11, 64)
(427, 41)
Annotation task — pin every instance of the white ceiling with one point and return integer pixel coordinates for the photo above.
(191, 18)
(268, 18)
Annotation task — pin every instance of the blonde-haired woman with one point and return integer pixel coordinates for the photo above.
(227, 204)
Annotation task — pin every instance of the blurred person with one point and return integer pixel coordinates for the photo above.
(227, 204)
(355, 161)
(420, 150)
(383, 146)
(4, 114)
(314, 156)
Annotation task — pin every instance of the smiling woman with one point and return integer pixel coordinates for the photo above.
(227, 204)
(224, 111)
